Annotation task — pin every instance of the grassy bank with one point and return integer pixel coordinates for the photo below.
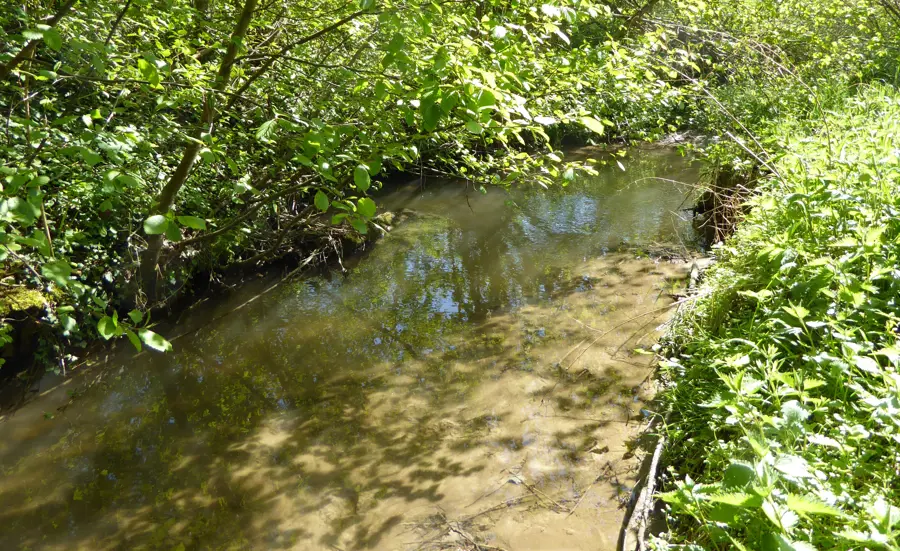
(782, 393)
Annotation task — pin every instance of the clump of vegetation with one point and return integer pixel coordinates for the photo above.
(149, 147)
(784, 401)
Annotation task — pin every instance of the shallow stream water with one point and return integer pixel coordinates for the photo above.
(473, 377)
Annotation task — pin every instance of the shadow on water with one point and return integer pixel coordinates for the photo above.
(337, 412)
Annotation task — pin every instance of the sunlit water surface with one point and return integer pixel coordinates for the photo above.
(418, 402)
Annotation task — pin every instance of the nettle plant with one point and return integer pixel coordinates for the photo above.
(786, 373)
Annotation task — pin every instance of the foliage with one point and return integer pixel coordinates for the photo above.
(148, 142)
(784, 385)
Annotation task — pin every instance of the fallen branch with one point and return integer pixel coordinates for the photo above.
(637, 524)
(470, 539)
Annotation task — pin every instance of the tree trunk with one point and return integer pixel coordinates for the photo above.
(166, 198)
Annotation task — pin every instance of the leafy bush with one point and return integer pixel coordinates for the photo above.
(147, 142)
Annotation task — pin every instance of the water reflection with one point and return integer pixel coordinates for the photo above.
(341, 412)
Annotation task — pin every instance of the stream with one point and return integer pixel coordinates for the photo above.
(476, 375)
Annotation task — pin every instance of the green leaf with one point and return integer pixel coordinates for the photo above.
(232, 166)
(68, 324)
(321, 201)
(154, 340)
(449, 102)
(869, 365)
(192, 222)
(738, 499)
(473, 127)
(173, 232)
(738, 475)
(807, 505)
(873, 235)
(135, 341)
(106, 327)
(380, 90)
(361, 178)
(396, 44)
(593, 125)
(22, 211)
(57, 271)
(366, 4)
(375, 165)
(486, 98)
(366, 207)
(92, 158)
(136, 316)
(39, 242)
(431, 114)
(53, 39)
(779, 515)
(148, 70)
(886, 514)
(128, 180)
(793, 466)
(155, 224)
(33, 34)
(784, 544)
(359, 225)
(796, 311)
(207, 155)
(863, 537)
(265, 130)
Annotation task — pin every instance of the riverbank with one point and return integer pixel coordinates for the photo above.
(781, 388)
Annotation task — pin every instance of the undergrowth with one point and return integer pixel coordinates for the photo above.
(782, 390)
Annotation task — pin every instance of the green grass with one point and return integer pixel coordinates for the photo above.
(782, 390)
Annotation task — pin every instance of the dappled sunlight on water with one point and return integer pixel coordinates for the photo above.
(473, 377)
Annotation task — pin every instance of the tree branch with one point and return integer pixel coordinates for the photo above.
(150, 260)
(118, 20)
(243, 216)
(29, 47)
(271, 61)
(303, 216)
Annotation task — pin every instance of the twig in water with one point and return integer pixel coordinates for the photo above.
(626, 322)
(587, 490)
(537, 492)
(573, 349)
(465, 535)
